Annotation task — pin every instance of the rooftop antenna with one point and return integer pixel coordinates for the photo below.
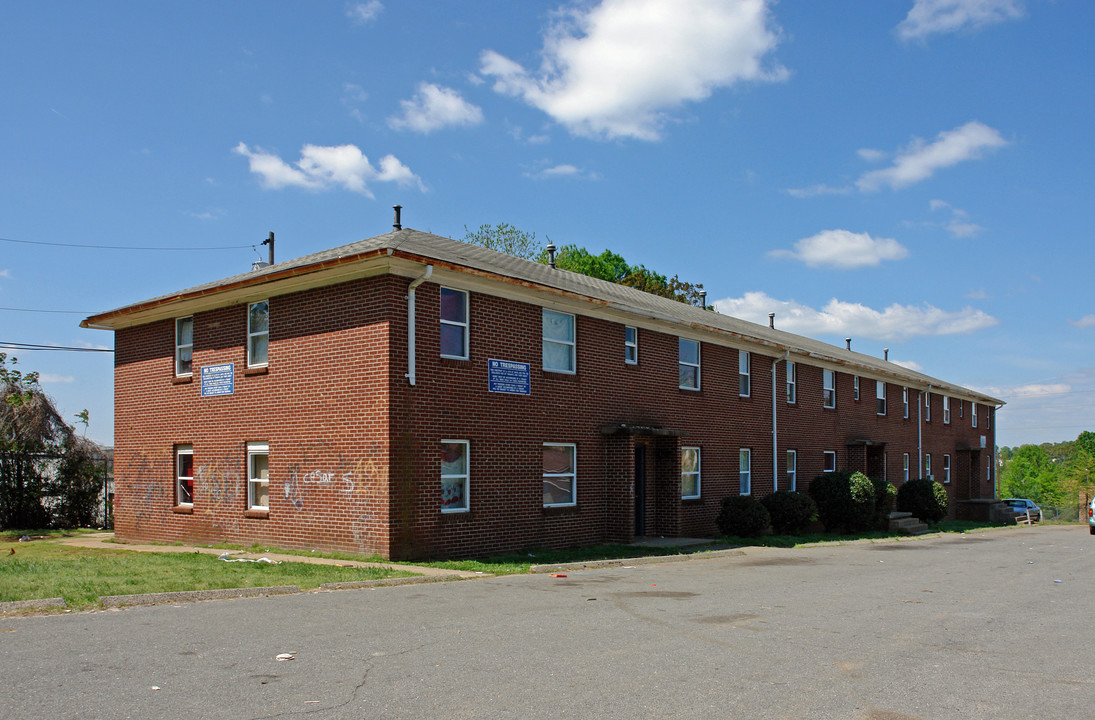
(270, 241)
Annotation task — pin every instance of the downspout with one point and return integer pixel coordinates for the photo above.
(410, 321)
(775, 445)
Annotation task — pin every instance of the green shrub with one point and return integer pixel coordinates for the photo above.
(885, 494)
(924, 498)
(743, 516)
(790, 511)
(845, 501)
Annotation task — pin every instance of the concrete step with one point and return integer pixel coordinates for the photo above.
(906, 524)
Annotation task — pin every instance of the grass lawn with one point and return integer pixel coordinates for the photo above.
(44, 568)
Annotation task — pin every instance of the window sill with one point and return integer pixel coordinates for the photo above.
(692, 501)
(183, 509)
(256, 513)
(262, 370)
(689, 389)
(182, 379)
(560, 509)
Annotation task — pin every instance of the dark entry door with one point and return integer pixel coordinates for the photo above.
(640, 490)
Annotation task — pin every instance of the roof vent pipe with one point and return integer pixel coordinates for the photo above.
(772, 320)
(886, 354)
(551, 254)
(397, 223)
(848, 343)
(703, 299)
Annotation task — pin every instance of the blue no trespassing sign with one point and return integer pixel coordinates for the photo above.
(218, 379)
(506, 376)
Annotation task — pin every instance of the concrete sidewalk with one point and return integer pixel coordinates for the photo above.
(104, 541)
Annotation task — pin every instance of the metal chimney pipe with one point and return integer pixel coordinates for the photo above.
(848, 343)
(551, 254)
(772, 320)
(886, 354)
(397, 224)
(703, 299)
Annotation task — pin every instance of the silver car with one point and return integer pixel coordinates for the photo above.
(1025, 507)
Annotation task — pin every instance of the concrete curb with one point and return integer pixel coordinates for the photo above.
(113, 601)
(648, 560)
(13, 605)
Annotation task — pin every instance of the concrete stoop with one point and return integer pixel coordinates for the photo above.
(906, 524)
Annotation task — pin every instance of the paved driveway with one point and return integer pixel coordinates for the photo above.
(965, 627)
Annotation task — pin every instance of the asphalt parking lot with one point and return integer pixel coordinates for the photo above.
(985, 625)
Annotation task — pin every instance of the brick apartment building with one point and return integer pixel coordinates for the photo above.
(410, 395)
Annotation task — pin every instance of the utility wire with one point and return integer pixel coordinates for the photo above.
(35, 346)
(64, 312)
(123, 247)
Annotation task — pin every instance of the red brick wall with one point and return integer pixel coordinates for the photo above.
(336, 384)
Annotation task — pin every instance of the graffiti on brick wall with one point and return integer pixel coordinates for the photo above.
(146, 479)
(221, 483)
(350, 480)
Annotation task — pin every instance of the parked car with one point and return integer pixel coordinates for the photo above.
(1023, 507)
(1091, 516)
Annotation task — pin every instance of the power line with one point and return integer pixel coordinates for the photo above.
(35, 346)
(64, 312)
(124, 247)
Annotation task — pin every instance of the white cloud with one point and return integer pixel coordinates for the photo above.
(895, 322)
(919, 161)
(51, 379)
(1027, 391)
(614, 70)
(872, 155)
(5, 273)
(322, 167)
(354, 95)
(928, 17)
(909, 365)
(364, 12)
(961, 229)
(564, 170)
(434, 107)
(978, 294)
(816, 190)
(1085, 322)
(843, 249)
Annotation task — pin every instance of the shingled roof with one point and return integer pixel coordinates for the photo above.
(427, 247)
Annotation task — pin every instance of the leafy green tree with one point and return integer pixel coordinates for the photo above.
(504, 237)
(1031, 474)
(48, 475)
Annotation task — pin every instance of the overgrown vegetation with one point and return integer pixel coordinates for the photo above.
(845, 501)
(742, 515)
(49, 475)
(607, 266)
(924, 498)
(1051, 474)
(790, 511)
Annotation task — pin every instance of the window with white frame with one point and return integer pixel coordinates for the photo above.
(946, 468)
(905, 401)
(961, 409)
(743, 373)
(927, 407)
(745, 471)
(454, 323)
(258, 333)
(560, 474)
(792, 470)
(830, 461)
(928, 466)
(828, 388)
(631, 345)
(258, 476)
(184, 346)
(689, 364)
(454, 476)
(558, 342)
(855, 388)
(690, 473)
(904, 467)
(184, 474)
(880, 393)
(946, 410)
(973, 414)
(791, 391)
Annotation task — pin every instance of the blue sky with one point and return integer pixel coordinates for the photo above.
(914, 174)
